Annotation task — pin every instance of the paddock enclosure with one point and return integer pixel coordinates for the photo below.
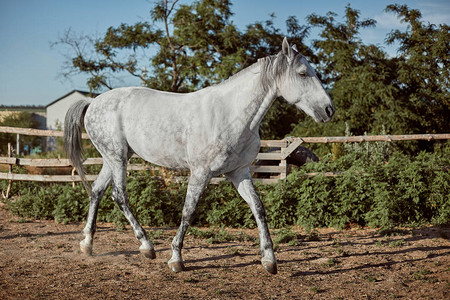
(284, 148)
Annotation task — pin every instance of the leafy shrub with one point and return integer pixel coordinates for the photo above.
(153, 202)
(221, 205)
(71, 204)
(37, 202)
(372, 189)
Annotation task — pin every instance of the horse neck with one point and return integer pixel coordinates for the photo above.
(249, 100)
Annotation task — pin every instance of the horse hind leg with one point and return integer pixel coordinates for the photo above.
(120, 197)
(98, 190)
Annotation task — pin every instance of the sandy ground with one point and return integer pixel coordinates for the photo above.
(42, 260)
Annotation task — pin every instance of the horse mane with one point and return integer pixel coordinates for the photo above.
(272, 67)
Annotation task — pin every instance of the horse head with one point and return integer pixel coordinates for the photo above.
(299, 85)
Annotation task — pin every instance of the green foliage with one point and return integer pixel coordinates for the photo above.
(422, 70)
(71, 205)
(221, 204)
(197, 44)
(155, 203)
(401, 190)
(374, 188)
(370, 90)
(279, 120)
(281, 202)
(359, 76)
(36, 202)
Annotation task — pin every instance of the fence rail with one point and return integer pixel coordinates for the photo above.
(277, 172)
(35, 132)
(268, 143)
(286, 147)
(376, 138)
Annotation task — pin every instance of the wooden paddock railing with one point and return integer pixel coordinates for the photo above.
(281, 169)
(277, 172)
(285, 146)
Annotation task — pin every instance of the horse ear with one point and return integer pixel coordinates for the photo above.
(286, 48)
(294, 47)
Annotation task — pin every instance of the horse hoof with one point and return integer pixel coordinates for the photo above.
(87, 250)
(176, 266)
(270, 266)
(149, 253)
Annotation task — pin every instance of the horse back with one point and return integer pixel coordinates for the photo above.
(168, 129)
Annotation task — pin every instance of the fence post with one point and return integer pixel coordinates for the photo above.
(18, 144)
(291, 145)
(8, 190)
(73, 174)
(283, 163)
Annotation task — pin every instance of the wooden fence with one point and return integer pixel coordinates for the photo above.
(279, 170)
(284, 148)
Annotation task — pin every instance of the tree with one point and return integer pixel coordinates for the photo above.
(422, 66)
(358, 76)
(195, 45)
(186, 47)
(373, 92)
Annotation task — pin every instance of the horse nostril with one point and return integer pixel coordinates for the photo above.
(330, 111)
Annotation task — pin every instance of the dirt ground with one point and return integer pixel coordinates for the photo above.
(41, 259)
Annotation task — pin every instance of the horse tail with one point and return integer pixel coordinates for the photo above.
(73, 130)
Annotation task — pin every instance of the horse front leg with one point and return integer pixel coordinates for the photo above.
(242, 181)
(197, 183)
(98, 190)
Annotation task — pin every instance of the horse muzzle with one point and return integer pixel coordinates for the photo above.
(324, 114)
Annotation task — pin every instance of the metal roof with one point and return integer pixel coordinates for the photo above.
(70, 93)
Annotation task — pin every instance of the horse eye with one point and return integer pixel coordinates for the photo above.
(302, 74)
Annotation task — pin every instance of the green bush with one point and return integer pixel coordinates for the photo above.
(372, 189)
(37, 203)
(154, 202)
(400, 191)
(221, 205)
(72, 204)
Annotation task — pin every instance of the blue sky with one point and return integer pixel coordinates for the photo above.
(30, 70)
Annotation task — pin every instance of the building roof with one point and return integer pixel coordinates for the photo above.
(29, 108)
(87, 94)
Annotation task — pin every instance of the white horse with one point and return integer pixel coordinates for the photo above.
(210, 132)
